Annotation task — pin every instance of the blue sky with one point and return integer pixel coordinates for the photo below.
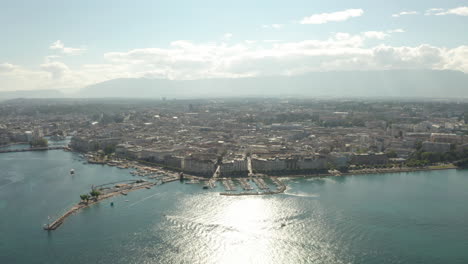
(100, 40)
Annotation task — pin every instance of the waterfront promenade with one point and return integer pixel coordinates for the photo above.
(30, 149)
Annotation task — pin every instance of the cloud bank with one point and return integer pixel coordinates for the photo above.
(184, 60)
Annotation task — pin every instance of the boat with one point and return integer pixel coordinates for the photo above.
(72, 171)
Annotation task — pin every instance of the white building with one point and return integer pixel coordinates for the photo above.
(234, 167)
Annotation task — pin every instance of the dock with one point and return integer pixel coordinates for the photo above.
(245, 185)
(169, 179)
(261, 183)
(210, 184)
(229, 185)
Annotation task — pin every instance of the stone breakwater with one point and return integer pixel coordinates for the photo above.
(121, 191)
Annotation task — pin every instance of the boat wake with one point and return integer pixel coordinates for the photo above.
(141, 200)
(310, 195)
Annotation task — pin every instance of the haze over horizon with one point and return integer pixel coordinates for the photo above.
(53, 45)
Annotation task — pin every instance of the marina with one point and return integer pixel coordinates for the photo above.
(245, 184)
(261, 183)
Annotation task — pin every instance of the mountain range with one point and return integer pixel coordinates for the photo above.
(401, 83)
(391, 83)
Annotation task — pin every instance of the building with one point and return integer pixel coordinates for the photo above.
(237, 167)
(268, 164)
(369, 159)
(428, 146)
(446, 138)
(196, 166)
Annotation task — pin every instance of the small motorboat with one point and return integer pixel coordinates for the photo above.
(72, 171)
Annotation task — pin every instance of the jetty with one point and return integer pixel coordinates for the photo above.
(229, 185)
(122, 190)
(210, 184)
(245, 185)
(261, 183)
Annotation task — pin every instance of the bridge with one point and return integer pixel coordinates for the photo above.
(30, 149)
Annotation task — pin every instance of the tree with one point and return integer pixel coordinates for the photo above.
(85, 197)
(39, 142)
(95, 146)
(95, 194)
(109, 149)
(418, 145)
(392, 154)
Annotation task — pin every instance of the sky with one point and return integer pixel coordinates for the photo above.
(67, 45)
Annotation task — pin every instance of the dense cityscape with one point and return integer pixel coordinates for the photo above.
(238, 137)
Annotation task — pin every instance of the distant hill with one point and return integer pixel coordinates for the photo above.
(31, 94)
(401, 83)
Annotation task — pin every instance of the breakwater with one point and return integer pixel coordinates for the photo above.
(120, 191)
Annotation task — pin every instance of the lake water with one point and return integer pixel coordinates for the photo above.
(419, 217)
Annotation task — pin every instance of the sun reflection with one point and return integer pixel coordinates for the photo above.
(249, 238)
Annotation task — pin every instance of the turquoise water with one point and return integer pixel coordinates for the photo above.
(417, 217)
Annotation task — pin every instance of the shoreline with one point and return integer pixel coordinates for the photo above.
(364, 172)
(281, 187)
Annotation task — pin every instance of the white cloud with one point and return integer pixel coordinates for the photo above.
(273, 26)
(433, 11)
(7, 67)
(59, 46)
(332, 17)
(272, 40)
(227, 36)
(55, 68)
(405, 13)
(457, 59)
(375, 34)
(460, 11)
(398, 30)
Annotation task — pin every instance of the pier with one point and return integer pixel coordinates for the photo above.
(261, 183)
(210, 184)
(229, 185)
(245, 185)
